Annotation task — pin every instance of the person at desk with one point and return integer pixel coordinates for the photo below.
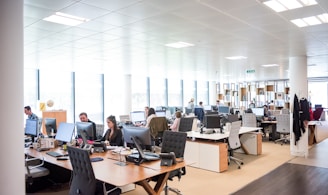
(113, 135)
(29, 113)
(267, 112)
(84, 118)
(175, 125)
(151, 114)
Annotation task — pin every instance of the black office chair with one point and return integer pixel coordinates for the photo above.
(186, 124)
(174, 142)
(84, 181)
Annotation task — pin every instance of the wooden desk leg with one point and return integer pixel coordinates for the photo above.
(159, 185)
(312, 138)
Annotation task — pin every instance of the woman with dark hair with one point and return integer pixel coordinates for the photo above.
(113, 134)
(151, 114)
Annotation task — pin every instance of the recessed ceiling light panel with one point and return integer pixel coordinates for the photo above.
(179, 44)
(66, 19)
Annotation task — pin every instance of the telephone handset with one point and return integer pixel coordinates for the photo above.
(168, 159)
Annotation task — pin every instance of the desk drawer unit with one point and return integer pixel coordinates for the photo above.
(212, 156)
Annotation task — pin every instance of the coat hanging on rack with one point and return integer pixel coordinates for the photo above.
(296, 119)
(301, 115)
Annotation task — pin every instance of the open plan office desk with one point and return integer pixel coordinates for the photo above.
(209, 152)
(108, 171)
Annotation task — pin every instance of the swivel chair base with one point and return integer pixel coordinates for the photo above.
(168, 188)
(238, 161)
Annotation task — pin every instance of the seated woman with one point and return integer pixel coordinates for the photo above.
(113, 135)
(175, 125)
(151, 114)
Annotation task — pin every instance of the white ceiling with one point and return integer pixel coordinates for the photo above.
(129, 36)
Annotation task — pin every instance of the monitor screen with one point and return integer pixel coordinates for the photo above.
(207, 107)
(51, 125)
(65, 132)
(224, 109)
(142, 134)
(212, 121)
(137, 116)
(317, 106)
(161, 113)
(258, 111)
(31, 127)
(86, 127)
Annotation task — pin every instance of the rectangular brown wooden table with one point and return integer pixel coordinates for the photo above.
(110, 172)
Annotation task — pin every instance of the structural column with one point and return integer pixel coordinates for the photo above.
(212, 93)
(12, 97)
(298, 86)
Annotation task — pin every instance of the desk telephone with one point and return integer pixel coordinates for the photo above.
(168, 159)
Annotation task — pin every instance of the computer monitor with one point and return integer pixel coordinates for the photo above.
(212, 121)
(87, 128)
(31, 128)
(317, 106)
(188, 110)
(224, 109)
(208, 108)
(137, 116)
(65, 132)
(258, 111)
(161, 113)
(142, 134)
(51, 126)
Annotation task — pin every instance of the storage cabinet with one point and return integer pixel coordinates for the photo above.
(207, 155)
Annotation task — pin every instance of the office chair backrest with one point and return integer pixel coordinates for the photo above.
(233, 139)
(249, 120)
(317, 114)
(174, 142)
(186, 124)
(157, 126)
(84, 181)
(283, 123)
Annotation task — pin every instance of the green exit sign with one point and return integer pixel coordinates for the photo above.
(250, 71)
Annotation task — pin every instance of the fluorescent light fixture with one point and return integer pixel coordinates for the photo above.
(308, 2)
(65, 19)
(299, 22)
(276, 6)
(270, 65)
(236, 57)
(323, 17)
(283, 5)
(312, 20)
(179, 44)
(291, 4)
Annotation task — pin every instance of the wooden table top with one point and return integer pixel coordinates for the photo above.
(108, 170)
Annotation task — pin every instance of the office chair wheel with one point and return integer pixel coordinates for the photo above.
(242, 163)
(238, 167)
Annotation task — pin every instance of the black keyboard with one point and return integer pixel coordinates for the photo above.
(55, 154)
(149, 156)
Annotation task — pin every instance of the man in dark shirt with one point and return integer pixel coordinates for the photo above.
(84, 118)
(29, 113)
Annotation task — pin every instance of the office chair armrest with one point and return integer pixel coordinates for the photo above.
(32, 163)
